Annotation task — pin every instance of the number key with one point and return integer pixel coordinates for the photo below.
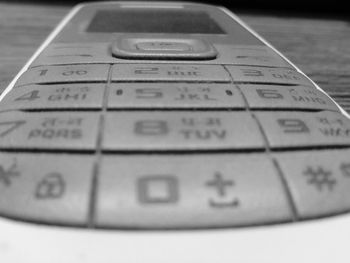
(305, 129)
(69, 131)
(286, 97)
(174, 95)
(249, 74)
(61, 96)
(180, 131)
(62, 74)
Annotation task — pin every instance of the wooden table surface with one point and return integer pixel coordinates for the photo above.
(320, 47)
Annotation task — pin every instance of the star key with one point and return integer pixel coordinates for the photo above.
(320, 178)
(6, 175)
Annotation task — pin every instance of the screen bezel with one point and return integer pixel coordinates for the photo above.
(75, 31)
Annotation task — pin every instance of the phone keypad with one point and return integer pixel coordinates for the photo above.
(159, 144)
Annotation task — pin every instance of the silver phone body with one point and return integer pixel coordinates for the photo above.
(305, 242)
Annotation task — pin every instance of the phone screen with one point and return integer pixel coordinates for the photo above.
(154, 21)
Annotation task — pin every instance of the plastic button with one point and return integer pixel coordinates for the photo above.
(74, 53)
(162, 48)
(319, 181)
(267, 75)
(250, 56)
(62, 74)
(169, 72)
(305, 129)
(68, 131)
(46, 188)
(181, 131)
(189, 191)
(174, 95)
(61, 96)
(286, 97)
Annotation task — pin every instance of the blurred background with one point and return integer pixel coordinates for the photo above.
(281, 7)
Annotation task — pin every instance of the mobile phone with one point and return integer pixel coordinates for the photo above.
(168, 132)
